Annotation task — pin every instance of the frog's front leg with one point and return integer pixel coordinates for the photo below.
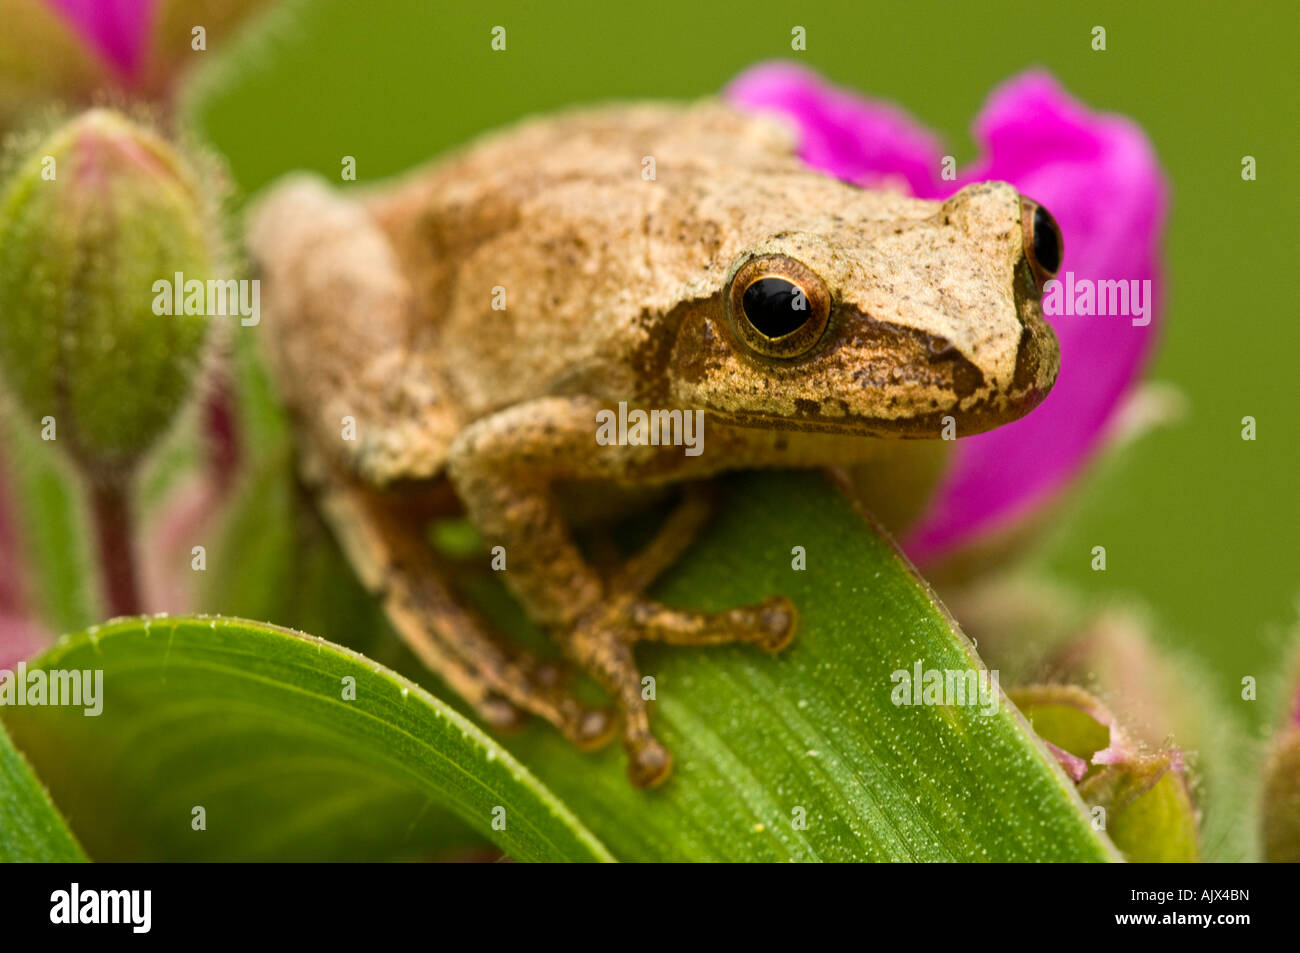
(504, 467)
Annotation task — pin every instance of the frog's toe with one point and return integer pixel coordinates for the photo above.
(649, 763)
(593, 729)
(776, 624)
(548, 695)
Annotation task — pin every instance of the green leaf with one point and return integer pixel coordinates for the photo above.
(30, 827)
(757, 738)
(249, 722)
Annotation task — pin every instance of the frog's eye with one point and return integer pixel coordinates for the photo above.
(1044, 248)
(778, 306)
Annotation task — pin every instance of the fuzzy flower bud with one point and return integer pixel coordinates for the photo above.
(90, 220)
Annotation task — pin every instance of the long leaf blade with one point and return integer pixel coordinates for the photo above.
(223, 739)
(804, 756)
(30, 826)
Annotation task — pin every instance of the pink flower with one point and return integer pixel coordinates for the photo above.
(1099, 177)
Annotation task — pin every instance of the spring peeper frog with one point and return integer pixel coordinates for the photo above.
(453, 339)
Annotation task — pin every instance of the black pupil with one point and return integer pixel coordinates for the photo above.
(1047, 241)
(775, 307)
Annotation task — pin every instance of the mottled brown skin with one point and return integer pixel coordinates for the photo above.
(620, 289)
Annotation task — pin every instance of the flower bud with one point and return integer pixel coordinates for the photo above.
(90, 220)
(1141, 798)
(1152, 695)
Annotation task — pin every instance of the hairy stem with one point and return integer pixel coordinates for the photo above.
(110, 505)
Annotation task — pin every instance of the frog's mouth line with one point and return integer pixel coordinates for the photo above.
(980, 418)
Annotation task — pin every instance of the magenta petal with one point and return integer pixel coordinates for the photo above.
(1074, 766)
(118, 30)
(1099, 177)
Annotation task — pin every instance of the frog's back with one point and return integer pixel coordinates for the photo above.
(541, 252)
(600, 146)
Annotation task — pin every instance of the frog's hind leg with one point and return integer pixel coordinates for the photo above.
(396, 564)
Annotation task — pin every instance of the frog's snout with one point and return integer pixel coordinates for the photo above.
(1038, 360)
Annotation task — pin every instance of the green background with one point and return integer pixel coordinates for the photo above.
(1197, 523)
